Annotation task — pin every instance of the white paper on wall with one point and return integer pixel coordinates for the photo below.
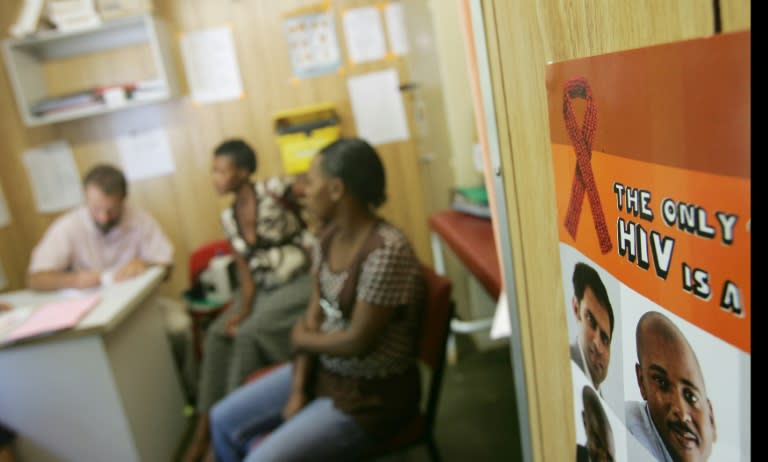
(364, 34)
(378, 107)
(54, 177)
(211, 65)
(312, 44)
(398, 40)
(5, 214)
(146, 154)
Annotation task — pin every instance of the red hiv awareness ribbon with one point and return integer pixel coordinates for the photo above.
(583, 178)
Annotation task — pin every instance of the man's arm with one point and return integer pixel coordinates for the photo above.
(137, 266)
(54, 280)
(52, 257)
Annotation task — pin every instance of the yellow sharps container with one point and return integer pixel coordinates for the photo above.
(303, 131)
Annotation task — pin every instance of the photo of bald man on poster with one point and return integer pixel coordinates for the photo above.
(684, 402)
(676, 421)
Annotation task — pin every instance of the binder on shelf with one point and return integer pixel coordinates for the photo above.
(471, 200)
(66, 102)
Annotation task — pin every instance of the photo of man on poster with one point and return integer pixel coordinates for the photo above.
(591, 348)
(600, 445)
(676, 421)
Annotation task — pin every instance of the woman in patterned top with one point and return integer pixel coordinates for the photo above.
(271, 247)
(354, 377)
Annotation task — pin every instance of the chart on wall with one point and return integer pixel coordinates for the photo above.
(651, 158)
(312, 43)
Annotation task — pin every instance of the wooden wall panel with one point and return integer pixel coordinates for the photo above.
(735, 15)
(84, 72)
(185, 203)
(522, 37)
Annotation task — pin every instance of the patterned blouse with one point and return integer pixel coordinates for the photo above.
(390, 275)
(280, 252)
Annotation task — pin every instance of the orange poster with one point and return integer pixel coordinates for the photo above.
(651, 156)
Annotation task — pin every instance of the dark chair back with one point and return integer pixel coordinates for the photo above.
(433, 337)
(435, 329)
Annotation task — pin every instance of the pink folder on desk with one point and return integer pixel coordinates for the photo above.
(54, 316)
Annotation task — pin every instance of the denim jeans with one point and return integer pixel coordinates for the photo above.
(319, 432)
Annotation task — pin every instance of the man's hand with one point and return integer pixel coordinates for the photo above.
(87, 279)
(131, 269)
(5, 307)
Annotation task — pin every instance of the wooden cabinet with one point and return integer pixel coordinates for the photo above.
(62, 76)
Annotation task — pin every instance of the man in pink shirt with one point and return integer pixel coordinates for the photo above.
(107, 241)
(104, 241)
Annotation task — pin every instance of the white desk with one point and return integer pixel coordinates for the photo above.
(471, 239)
(104, 391)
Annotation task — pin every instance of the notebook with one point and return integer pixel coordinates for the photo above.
(53, 317)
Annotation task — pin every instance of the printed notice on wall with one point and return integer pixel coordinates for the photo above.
(5, 213)
(398, 40)
(654, 219)
(312, 43)
(54, 177)
(364, 34)
(211, 65)
(378, 107)
(146, 154)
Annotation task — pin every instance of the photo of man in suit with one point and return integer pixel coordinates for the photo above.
(591, 348)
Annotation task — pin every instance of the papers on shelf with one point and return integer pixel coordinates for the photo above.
(70, 15)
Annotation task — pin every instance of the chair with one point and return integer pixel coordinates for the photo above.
(200, 257)
(202, 315)
(435, 328)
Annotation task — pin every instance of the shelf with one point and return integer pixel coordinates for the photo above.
(77, 113)
(121, 51)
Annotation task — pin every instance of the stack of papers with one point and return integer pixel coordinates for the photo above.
(472, 201)
(70, 15)
(50, 317)
(9, 320)
(145, 90)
